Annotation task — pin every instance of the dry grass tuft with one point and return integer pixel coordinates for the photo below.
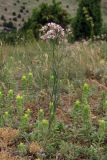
(4, 155)
(34, 148)
(8, 134)
(7, 137)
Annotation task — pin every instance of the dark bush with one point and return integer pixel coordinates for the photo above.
(21, 10)
(14, 13)
(16, 37)
(23, 20)
(47, 13)
(8, 37)
(5, 9)
(9, 25)
(19, 16)
(24, 3)
(27, 11)
(67, 6)
(18, 1)
(14, 4)
(88, 21)
(3, 18)
(15, 19)
(23, 7)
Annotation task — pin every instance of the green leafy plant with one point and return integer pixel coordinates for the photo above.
(22, 149)
(54, 33)
(24, 121)
(88, 21)
(101, 130)
(19, 104)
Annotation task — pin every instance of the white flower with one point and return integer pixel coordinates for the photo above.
(52, 31)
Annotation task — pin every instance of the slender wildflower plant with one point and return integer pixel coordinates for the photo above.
(101, 131)
(54, 33)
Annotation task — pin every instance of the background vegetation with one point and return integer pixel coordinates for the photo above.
(56, 12)
(33, 72)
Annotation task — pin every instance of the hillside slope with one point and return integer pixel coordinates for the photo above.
(18, 11)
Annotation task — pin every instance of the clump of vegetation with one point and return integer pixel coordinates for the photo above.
(14, 4)
(23, 7)
(5, 9)
(88, 21)
(14, 13)
(18, 1)
(21, 10)
(19, 15)
(47, 13)
(9, 25)
(53, 101)
(27, 11)
(46, 113)
(3, 17)
(28, 135)
(15, 19)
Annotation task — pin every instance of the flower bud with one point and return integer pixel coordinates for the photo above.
(77, 104)
(45, 122)
(19, 100)
(102, 124)
(52, 77)
(24, 81)
(25, 116)
(6, 114)
(1, 94)
(10, 93)
(30, 75)
(85, 87)
(24, 78)
(41, 111)
(51, 105)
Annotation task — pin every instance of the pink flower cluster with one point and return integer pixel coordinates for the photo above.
(52, 31)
